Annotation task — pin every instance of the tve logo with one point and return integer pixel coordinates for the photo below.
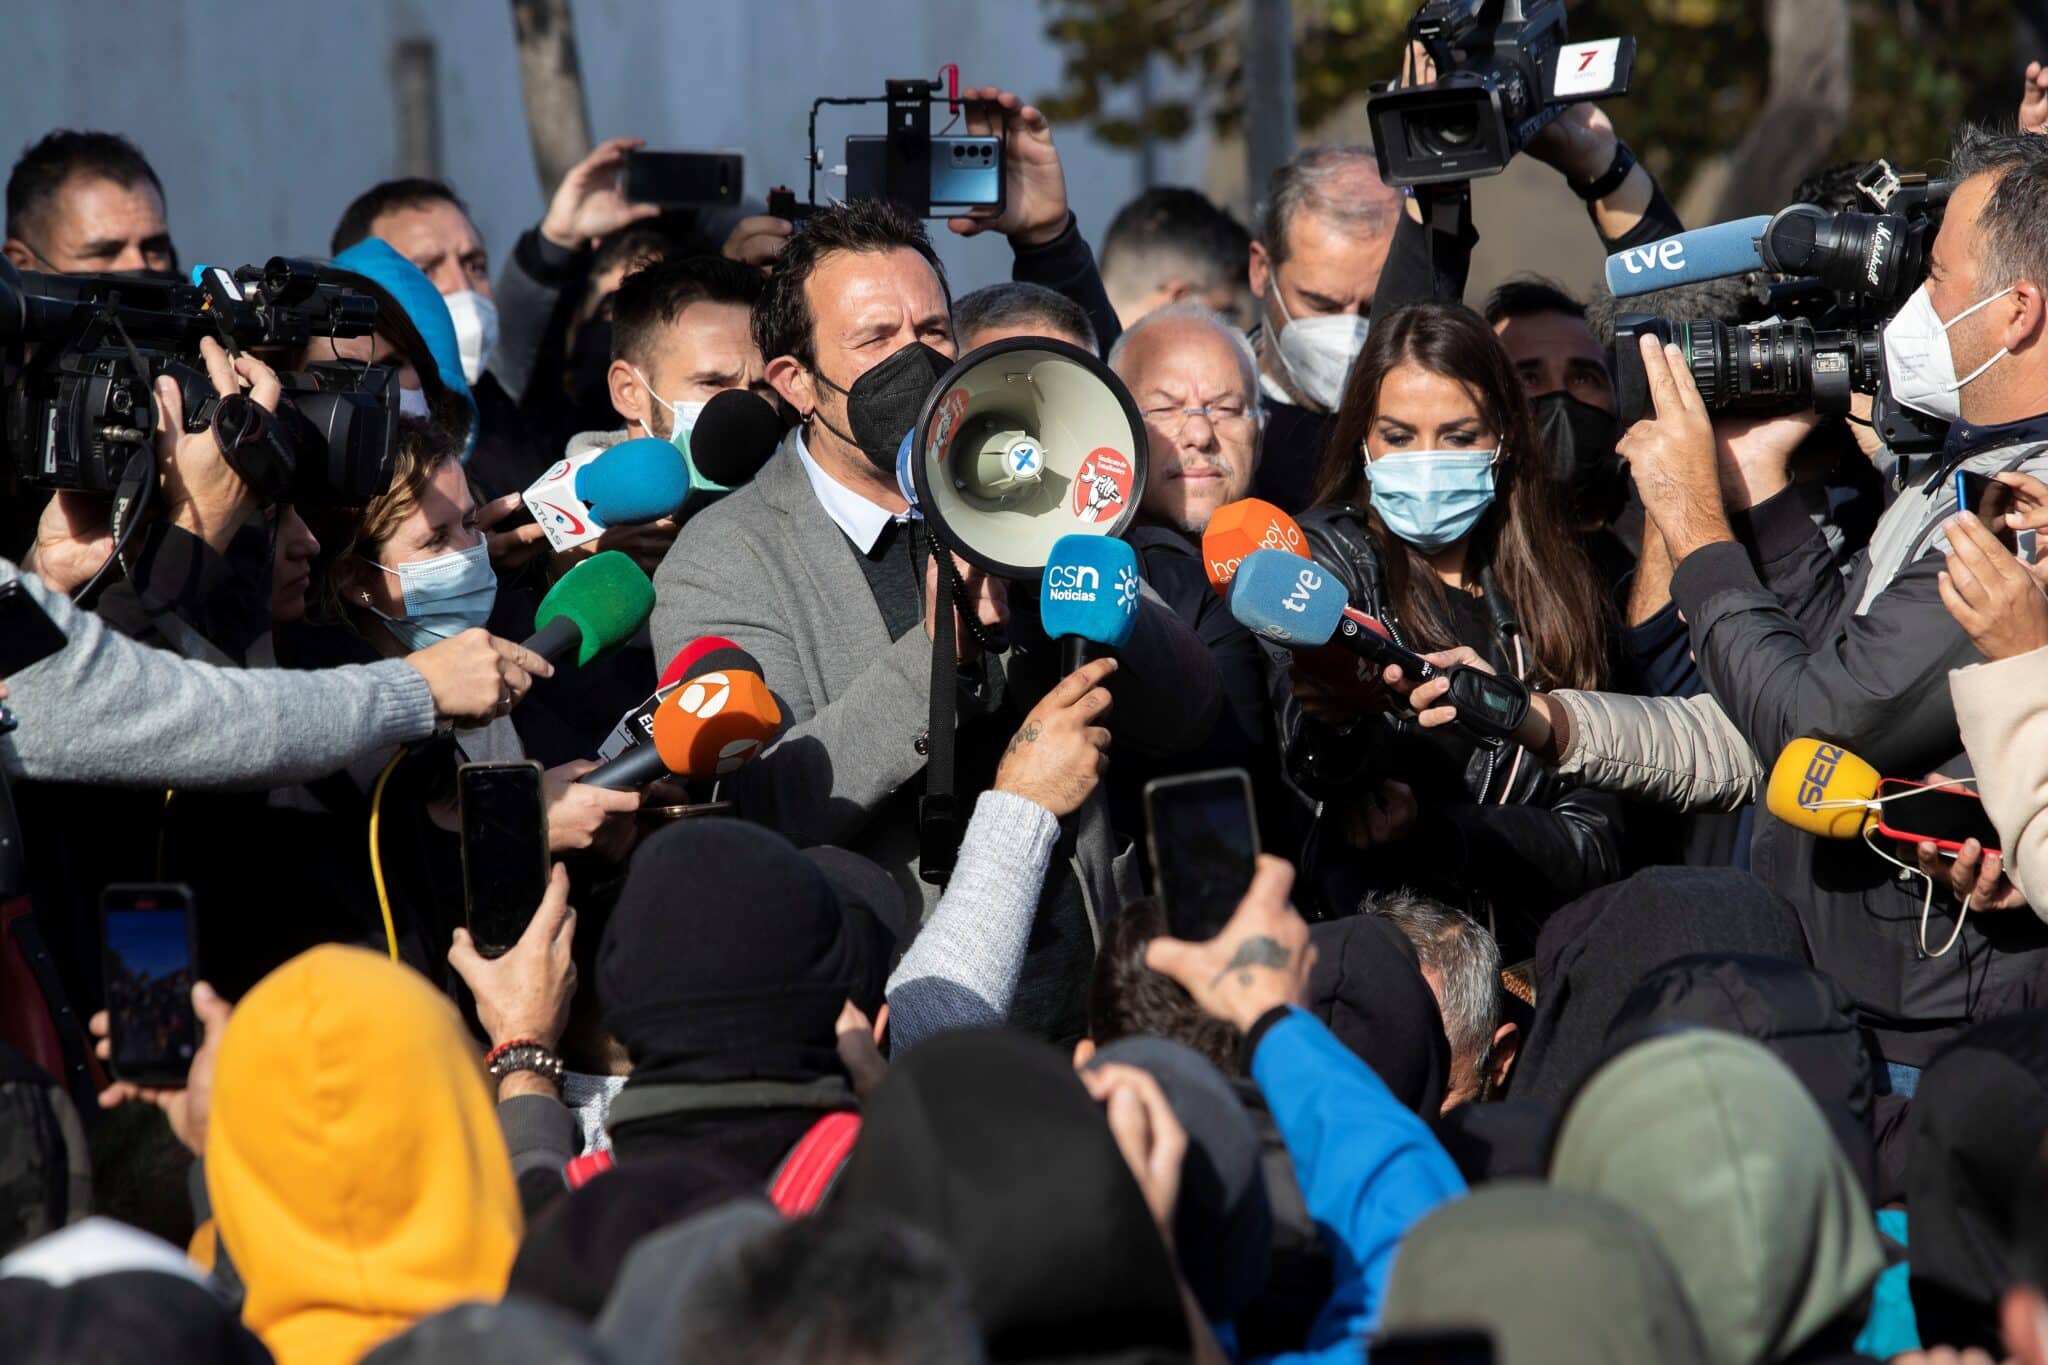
(1072, 582)
(1306, 584)
(1668, 254)
(1813, 785)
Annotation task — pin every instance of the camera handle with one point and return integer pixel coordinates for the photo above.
(136, 494)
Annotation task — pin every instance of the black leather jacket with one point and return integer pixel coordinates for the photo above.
(1498, 833)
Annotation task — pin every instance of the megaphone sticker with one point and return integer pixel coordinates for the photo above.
(1102, 486)
(951, 409)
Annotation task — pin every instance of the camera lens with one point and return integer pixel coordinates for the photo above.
(1448, 132)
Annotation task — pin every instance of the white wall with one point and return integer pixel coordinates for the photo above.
(265, 117)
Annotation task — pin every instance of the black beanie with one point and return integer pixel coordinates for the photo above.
(726, 958)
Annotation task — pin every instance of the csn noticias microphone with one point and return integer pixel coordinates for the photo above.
(705, 654)
(1708, 253)
(1299, 604)
(598, 605)
(706, 728)
(1239, 528)
(1088, 597)
(633, 482)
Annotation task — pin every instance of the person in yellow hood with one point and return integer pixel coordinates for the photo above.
(353, 1157)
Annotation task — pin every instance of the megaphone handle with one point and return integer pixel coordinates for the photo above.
(938, 815)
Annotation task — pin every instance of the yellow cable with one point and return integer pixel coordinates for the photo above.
(376, 860)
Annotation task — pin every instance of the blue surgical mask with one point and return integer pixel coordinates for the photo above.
(1432, 498)
(444, 596)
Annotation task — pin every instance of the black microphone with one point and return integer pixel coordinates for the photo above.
(735, 435)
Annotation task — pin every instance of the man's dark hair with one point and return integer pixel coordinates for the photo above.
(393, 196)
(1528, 296)
(1128, 999)
(833, 1288)
(47, 163)
(1323, 181)
(1018, 304)
(2012, 225)
(783, 323)
(655, 295)
(1173, 233)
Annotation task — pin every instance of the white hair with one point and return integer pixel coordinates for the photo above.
(1191, 310)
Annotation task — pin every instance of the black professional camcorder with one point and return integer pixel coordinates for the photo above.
(1821, 339)
(82, 353)
(1504, 72)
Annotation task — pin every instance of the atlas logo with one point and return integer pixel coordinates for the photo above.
(1668, 254)
(1813, 785)
(1072, 582)
(566, 517)
(1305, 586)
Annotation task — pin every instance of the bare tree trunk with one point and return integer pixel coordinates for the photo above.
(1804, 112)
(1268, 90)
(551, 80)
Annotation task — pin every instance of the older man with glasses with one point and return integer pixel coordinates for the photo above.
(1196, 380)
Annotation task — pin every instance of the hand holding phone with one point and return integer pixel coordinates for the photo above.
(504, 850)
(1204, 846)
(1993, 596)
(147, 954)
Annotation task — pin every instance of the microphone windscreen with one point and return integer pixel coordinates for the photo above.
(735, 435)
(633, 482)
(1241, 527)
(1090, 590)
(714, 723)
(1286, 599)
(686, 658)
(1708, 253)
(608, 598)
(1810, 773)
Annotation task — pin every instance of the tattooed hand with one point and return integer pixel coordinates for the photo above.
(1261, 959)
(1058, 755)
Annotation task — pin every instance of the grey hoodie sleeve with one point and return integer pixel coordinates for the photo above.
(527, 290)
(961, 970)
(105, 709)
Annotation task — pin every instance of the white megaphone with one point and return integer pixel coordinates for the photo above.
(1022, 442)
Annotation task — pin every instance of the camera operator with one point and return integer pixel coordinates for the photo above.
(817, 569)
(1971, 346)
(501, 344)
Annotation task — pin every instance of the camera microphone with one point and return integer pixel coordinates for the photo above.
(598, 605)
(707, 728)
(1708, 253)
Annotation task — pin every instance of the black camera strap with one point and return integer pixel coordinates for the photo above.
(939, 825)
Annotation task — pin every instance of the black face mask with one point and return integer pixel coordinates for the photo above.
(1580, 439)
(883, 404)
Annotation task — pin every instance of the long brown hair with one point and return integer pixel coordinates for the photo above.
(1525, 537)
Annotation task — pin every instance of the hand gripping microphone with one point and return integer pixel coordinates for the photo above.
(705, 654)
(1300, 605)
(708, 727)
(1088, 597)
(1708, 253)
(598, 605)
(1239, 528)
(582, 496)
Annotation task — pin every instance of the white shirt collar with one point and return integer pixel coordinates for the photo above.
(862, 521)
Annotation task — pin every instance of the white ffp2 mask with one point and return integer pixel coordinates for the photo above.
(1317, 352)
(476, 330)
(1918, 364)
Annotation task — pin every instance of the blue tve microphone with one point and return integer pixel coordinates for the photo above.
(1708, 253)
(1287, 599)
(1088, 597)
(635, 481)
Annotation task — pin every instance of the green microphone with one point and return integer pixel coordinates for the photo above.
(597, 606)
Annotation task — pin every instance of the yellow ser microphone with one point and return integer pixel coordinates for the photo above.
(1822, 789)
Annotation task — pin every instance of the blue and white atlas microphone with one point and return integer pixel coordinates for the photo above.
(633, 482)
(1708, 253)
(1088, 598)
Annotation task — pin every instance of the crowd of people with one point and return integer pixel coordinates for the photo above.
(771, 1075)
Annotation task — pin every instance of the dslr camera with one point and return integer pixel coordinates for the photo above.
(1844, 275)
(83, 352)
(1504, 73)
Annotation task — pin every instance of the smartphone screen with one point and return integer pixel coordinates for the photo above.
(684, 179)
(1204, 845)
(504, 850)
(27, 634)
(1990, 500)
(146, 954)
(1944, 815)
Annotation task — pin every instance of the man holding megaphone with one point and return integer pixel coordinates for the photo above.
(821, 570)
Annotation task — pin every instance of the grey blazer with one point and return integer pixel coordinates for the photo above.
(770, 570)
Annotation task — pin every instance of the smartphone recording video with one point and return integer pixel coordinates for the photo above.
(1204, 844)
(147, 956)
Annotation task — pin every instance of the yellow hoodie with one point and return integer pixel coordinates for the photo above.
(354, 1160)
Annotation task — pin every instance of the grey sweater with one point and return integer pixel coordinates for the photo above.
(108, 710)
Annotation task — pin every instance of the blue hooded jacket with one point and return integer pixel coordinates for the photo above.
(404, 285)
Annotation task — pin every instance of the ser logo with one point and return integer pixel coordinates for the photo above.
(1072, 582)
(1813, 785)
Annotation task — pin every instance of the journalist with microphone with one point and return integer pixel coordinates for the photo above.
(1969, 347)
(820, 572)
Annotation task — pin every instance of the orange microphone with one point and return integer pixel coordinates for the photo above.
(1240, 527)
(706, 728)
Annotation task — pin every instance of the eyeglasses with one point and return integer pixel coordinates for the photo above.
(1228, 418)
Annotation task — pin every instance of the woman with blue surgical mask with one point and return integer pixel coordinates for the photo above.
(1437, 510)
